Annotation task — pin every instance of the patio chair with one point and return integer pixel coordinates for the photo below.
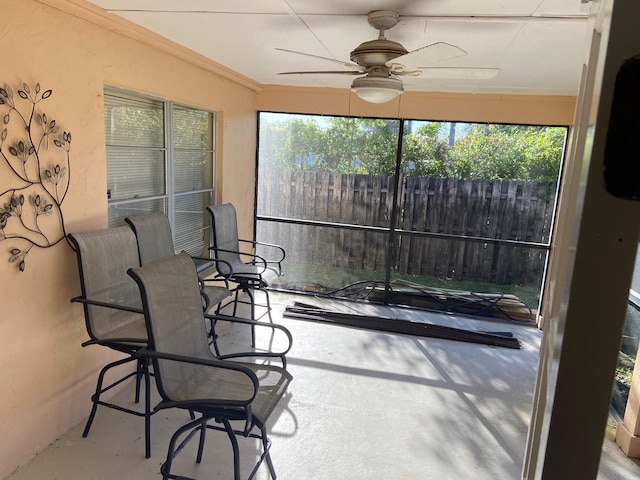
(256, 274)
(155, 241)
(113, 312)
(190, 377)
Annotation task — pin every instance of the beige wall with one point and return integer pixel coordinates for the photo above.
(534, 110)
(46, 378)
(76, 50)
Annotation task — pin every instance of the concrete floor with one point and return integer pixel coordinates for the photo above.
(363, 405)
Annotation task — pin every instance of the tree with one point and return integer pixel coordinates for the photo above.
(424, 154)
(356, 145)
(509, 152)
(344, 145)
(291, 144)
(368, 146)
(543, 151)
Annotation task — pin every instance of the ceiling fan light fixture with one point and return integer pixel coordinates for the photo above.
(377, 89)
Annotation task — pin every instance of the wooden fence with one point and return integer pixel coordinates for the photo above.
(453, 210)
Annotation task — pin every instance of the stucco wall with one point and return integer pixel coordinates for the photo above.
(75, 49)
(46, 378)
(524, 109)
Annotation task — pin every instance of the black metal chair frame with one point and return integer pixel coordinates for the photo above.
(249, 276)
(142, 371)
(155, 285)
(127, 345)
(201, 424)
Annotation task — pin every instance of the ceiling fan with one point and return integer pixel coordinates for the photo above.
(382, 61)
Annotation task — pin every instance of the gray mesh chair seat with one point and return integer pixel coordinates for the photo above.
(113, 311)
(190, 376)
(155, 241)
(257, 273)
(208, 381)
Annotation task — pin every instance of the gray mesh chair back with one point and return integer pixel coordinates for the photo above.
(175, 326)
(224, 225)
(153, 234)
(226, 246)
(188, 375)
(103, 258)
(155, 241)
(113, 309)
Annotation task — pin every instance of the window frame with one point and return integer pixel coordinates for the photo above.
(171, 195)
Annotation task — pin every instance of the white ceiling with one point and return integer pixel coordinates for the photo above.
(538, 45)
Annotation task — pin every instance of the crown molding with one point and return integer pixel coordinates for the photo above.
(109, 21)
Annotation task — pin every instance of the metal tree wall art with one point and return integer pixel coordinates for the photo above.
(34, 173)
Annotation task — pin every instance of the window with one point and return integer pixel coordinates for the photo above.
(161, 157)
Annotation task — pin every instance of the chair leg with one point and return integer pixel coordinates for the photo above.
(253, 312)
(95, 398)
(236, 451)
(200, 425)
(213, 335)
(249, 290)
(203, 432)
(252, 302)
(235, 302)
(139, 374)
(266, 446)
(92, 415)
(267, 305)
(147, 409)
(142, 370)
(266, 294)
(172, 451)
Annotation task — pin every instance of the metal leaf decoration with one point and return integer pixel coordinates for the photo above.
(35, 172)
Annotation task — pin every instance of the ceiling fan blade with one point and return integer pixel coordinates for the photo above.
(462, 73)
(346, 64)
(322, 72)
(425, 56)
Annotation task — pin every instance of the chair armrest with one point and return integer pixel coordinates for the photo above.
(217, 278)
(139, 342)
(257, 259)
(246, 321)
(87, 301)
(217, 261)
(131, 341)
(278, 248)
(274, 262)
(207, 362)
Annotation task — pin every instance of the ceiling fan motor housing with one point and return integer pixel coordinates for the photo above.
(377, 52)
(380, 51)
